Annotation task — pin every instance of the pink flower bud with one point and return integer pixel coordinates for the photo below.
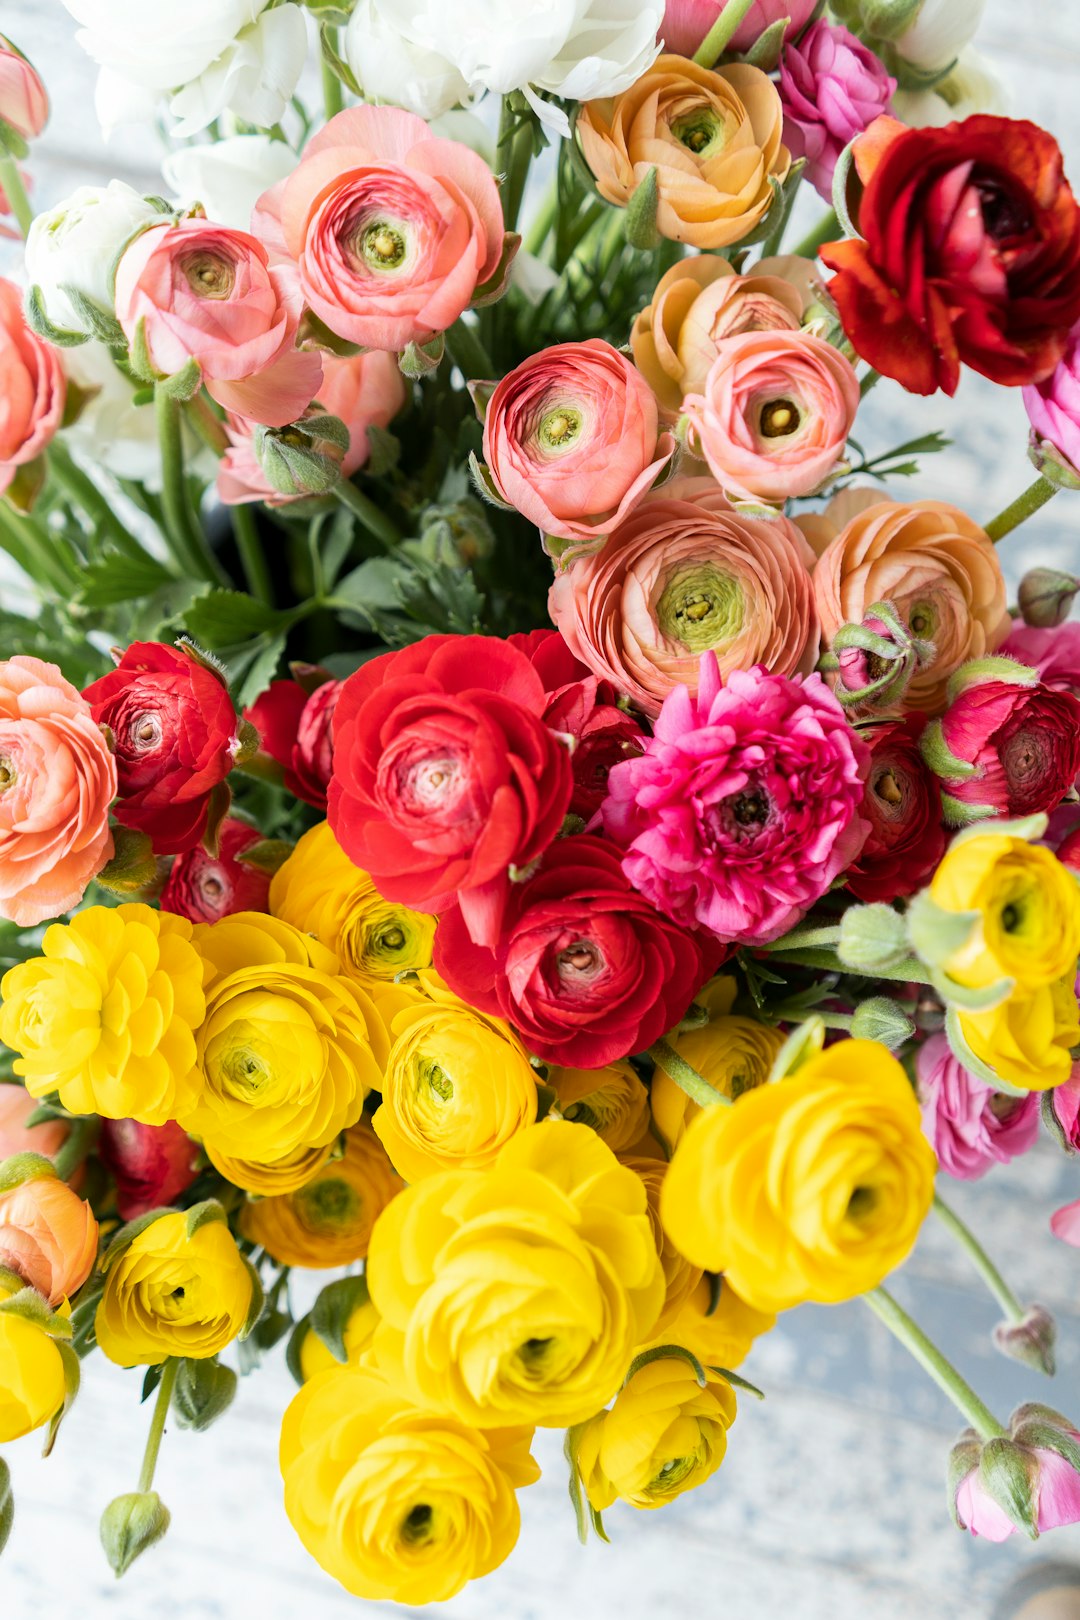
(1062, 1105)
(970, 1126)
(204, 887)
(1053, 408)
(152, 1164)
(832, 87)
(1028, 1480)
(24, 102)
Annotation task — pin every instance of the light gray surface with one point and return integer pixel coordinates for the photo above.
(830, 1504)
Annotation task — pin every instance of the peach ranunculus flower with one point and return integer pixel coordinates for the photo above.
(204, 292)
(32, 387)
(572, 440)
(48, 1234)
(702, 300)
(687, 574)
(57, 780)
(774, 415)
(938, 569)
(394, 231)
(714, 139)
(16, 1106)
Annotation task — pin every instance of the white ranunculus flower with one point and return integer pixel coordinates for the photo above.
(389, 67)
(253, 78)
(228, 177)
(111, 430)
(973, 86)
(163, 43)
(77, 243)
(940, 32)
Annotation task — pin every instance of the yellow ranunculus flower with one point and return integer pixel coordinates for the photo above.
(171, 1294)
(289, 1047)
(316, 1357)
(612, 1100)
(106, 1014)
(275, 1178)
(321, 892)
(1026, 1040)
(1029, 911)
(33, 1387)
(663, 1436)
(394, 1502)
(722, 1339)
(328, 1221)
(813, 1188)
(518, 1295)
(732, 1053)
(680, 1277)
(458, 1084)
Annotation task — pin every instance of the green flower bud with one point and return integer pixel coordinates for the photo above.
(1030, 1340)
(305, 458)
(129, 1525)
(872, 937)
(1046, 597)
(203, 1391)
(879, 1018)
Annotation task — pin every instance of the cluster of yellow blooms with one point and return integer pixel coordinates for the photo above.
(521, 1270)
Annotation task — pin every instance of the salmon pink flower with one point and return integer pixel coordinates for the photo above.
(970, 1126)
(48, 1235)
(32, 386)
(24, 101)
(152, 1164)
(204, 887)
(833, 87)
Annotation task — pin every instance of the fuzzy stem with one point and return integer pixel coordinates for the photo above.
(908, 971)
(799, 938)
(332, 89)
(686, 1077)
(80, 1140)
(157, 1423)
(15, 192)
(373, 519)
(469, 354)
(182, 532)
(826, 230)
(982, 1262)
(1036, 495)
(930, 1359)
(721, 31)
(252, 556)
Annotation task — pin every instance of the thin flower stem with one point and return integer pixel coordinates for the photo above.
(799, 938)
(721, 31)
(982, 1262)
(332, 88)
(868, 381)
(252, 556)
(80, 1139)
(209, 427)
(467, 351)
(157, 1422)
(15, 192)
(930, 1359)
(685, 1076)
(373, 519)
(773, 241)
(1036, 495)
(827, 230)
(184, 537)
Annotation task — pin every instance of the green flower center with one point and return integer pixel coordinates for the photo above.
(861, 1202)
(436, 1079)
(418, 1526)
(672, 1473)
(779, 418)
(534, 1355)
(382, 245)
(922, 620)
(209, 275)
(391, 939)
(330, 1204)
(702, 608)
(559, 427)
(245, 1071)
(701, 132)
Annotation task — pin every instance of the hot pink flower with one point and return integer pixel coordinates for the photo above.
(745, 806)
(775, 413)
(1053, 405)
(970, 1126)
(152, 1164)
(572, 439)
(394, 231)
(201, 291)
(204, 887)
(686, 22)
(32, 387)
(832, 87)
(1054, 653)
(24, 101)
(1064, 1102)
(1022, 739)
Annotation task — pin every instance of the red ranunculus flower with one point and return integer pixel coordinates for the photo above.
(1023, 741)
(902, 803)
(549, 655)
(174, 730)
(602, 734)
(971, 254)
(445, 775)
(205, 887)
(586, 969)
(152, 1164)
(295, 726)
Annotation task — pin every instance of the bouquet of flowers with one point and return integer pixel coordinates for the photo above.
(498, 798)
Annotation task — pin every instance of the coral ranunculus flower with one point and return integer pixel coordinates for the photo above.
(970, 254)
(328, 1221)
(33, 387)
(48, 1234)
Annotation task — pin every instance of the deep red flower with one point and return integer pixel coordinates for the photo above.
(971, 254)
(445, 775)
(1024, 744)
(174, 730)
(295, 726)
(152, 1164)
(205, 887)
(586, 969)
(902, 803)
(551, 658)
(602, 734)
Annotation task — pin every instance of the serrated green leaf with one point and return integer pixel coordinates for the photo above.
(223, 618)
(120, 578)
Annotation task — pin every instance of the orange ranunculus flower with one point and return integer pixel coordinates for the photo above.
(714, 139)
(48, 1234)
(612, 1100)
(327, 1221)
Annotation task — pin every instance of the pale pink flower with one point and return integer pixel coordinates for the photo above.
(1065, 1223)
(32, 386)
(970, 1126)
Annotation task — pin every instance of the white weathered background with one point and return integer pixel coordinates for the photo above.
(831, 1502)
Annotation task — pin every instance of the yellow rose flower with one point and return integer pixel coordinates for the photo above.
(321, 892)
(458, 1085)
(810, 1189)
(680, 1277)
(394, 1502)
(289, 1046)
(517, 1295)
(328, 1221)
(33, 1385)
(723, 1337)
(106, 1014)
(173, 1291)
(275, 1178)
(316, 1357)
(663, 1436)
(732, 1053)
(1025, 1041)
(613, 1101)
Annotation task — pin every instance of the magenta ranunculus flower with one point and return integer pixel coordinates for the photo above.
(1054, 653)
(1053, 406)
(1027, 1481)
(970, 1126)
(745, 806)
(832, 87)
(1063, 1107)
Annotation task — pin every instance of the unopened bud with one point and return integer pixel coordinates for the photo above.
(1031, 1340)
(7, 1504)
(873, 661)
(1052, 464)
(453, 534)
(129, 1525)
(204, 1390)
(872, 937)
(879, 1018)
(1046, 597)
(305, 458)
(1027, 1479)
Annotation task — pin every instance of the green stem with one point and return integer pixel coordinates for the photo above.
(513, 156)
(157, 1422)
(468, 353)
(15, 192)
(799, 938)
(35, 552)
(83, 492)
(908, 971)
(372, 517)
(870, 380)
(982, 1262)
(827, 230)
(721, 31)
(209, 426)
(183, 534)
(80, 1139)
(252, 556)
(1036, 495)
(685, 1076)
(544, 219)
(332, 88)
(931, 1360)
(772, 242)
(614, 241)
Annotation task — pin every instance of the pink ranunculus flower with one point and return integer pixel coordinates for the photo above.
(745, 806)
(970, 1126)
(57, 780)
(152, 1164)
(1053, 405)
(16, 1106)
(1029, 1474)
(1065, 1223)
(775, 413)
(1022, 739)
(394, 231)
(572, 439)
(1054, 653)
(688, 574)
(204, 292)
(832, 87)
(1064, 1101)
(32, 386)
(686, 22)
(24, 101)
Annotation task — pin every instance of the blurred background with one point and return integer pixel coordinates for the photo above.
(831, 1503)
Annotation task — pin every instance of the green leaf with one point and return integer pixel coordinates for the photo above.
(253, 672)
(667, 1352)
(223, 618)
(204, 1214)
(738, 1381)
(332, 1311)
(337, 65)
(376, 584)
(117, 577)
(7, 1504)
(204, 1390)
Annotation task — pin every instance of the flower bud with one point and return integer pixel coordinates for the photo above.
(1061, 1113)
(1046, 597)
(305, 458)
(875, 660)
(1031, 1340)
(879, 1018)
(129, 1525)
(152, 1164)
(24, 101)
(1049, 460)
(872, 937)
(1026, 1480)
(204, 1390)
(7, 1504)
(453, 534)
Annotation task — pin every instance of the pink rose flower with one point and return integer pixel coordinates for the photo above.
(1053, 405)
(686, 574)
(970, 1126)
(152, 1164)
(832, 87)
(1054, 653)
(745, 805)
(204, 292)
(775, 413)
(572, 439)
(1023, 741)
(32, 387)
(57, 780)
(24, 101)
(394, 231)
(686, 22)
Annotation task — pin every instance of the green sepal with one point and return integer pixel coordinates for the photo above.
(35, 1308)
(268, 855)
(1009, 1476)
(258, 1300)
(204, 1389)
(1043, 1436)
(716, 1290)
(845, 164)
(963, 1459)
(7, 1504)
(127, 1234)
(956, 813)
(336, 63)
(935, 933)
(203, 1214)
(101, 324)
(582, 1508)
(129, 1525)
(1029, 828)
(972, 999)
(940, 757)
(419, 360)
(332, 1310)
(37, 320)
(220, 803)
(887, 19)
(737, 1381)
(598, 1524)
(764, 53)
(640, 219)
(963, 1054)
(139, 355)
(21, 1167)
(546, 1098)
(72, 1380)
(491, 290)
(485, 484)
(1053, 1124)
(248, 740)
(313, 333)
(776, 215)
(871, 936)
(805, 1041)
(977, 671)
(667, 1352)
(184, 384)
(133, 866)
